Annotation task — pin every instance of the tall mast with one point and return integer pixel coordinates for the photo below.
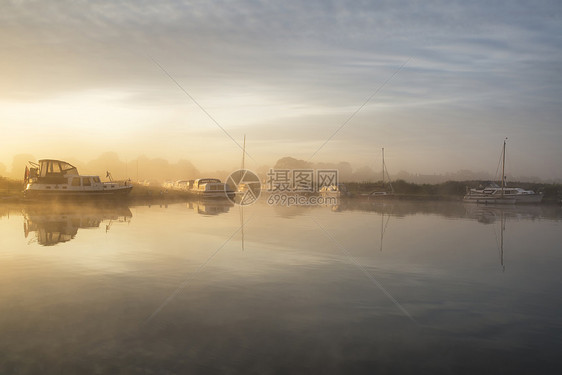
(383, 166)
(503, 166)
(244, 152)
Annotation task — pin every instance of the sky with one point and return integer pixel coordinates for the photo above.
(438, 84)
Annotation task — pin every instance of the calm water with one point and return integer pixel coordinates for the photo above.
(357, 288)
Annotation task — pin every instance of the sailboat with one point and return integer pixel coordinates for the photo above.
(245, 183)
(384, 193)
(495, 194)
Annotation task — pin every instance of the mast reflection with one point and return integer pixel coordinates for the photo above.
(489, 215)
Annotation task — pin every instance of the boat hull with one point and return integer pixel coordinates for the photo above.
(488, 197)
(488, 200)
(213, 194)
(336, 194)
(76, 194)
(380, 195)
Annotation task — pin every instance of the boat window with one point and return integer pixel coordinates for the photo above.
(43, 168)
(86, 182)
(54, 167)
(75, 181)
(65, 166)
(97, 180)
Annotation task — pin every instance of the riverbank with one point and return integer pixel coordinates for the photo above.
(11, 190)
(448, 191)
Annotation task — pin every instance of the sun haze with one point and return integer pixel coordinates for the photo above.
(439, 86)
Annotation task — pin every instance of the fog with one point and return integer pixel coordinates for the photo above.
(438, 84)
(158, 170)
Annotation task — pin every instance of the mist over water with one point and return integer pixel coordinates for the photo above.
(209, 286)
(160, 170)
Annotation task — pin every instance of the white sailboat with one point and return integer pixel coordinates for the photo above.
(245, 183)
(383, 193)
(495, 194)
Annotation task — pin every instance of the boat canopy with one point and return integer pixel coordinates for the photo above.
(50, 167)
(201, 181)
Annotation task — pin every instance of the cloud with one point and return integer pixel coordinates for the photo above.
(301, 67)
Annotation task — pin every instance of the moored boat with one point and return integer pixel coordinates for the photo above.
(495, 194)
(54, 179)
(474, 196)
(211, 188)
(384, 193)
(335, 190)
(179, 185)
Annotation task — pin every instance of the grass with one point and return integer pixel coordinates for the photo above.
(450, 190)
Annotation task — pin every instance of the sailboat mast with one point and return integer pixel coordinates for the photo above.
(383, 166)
(244, 152)
(503, 166)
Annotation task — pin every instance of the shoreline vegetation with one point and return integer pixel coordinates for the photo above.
(11, 190)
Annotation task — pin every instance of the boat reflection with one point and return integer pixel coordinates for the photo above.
(210, 207)
(451, 210)
(491, 215)
(57, 224)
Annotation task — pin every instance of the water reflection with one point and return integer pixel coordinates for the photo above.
(453, 210)
(57, 224)
(303, 296)
(210, 207)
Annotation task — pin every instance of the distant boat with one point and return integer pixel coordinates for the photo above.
(479, 196)
(211, 188)
(50, 179)
(334, 190)
(495, 194)
(493, 191)
(246, 184)
(179, 185)
(383, 193)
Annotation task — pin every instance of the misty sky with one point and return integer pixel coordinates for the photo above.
(448, 81)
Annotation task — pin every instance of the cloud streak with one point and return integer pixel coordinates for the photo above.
(302, 66)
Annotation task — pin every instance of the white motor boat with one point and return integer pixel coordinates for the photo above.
(211, 188)
(50, 179)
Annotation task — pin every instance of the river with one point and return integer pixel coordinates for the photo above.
(209, 287)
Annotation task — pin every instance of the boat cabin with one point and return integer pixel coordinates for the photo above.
(50, 171)
(197, 184)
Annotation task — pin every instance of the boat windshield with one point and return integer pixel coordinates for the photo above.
(202, 181)
(68, 168)
(208, 180)
(55, 168)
